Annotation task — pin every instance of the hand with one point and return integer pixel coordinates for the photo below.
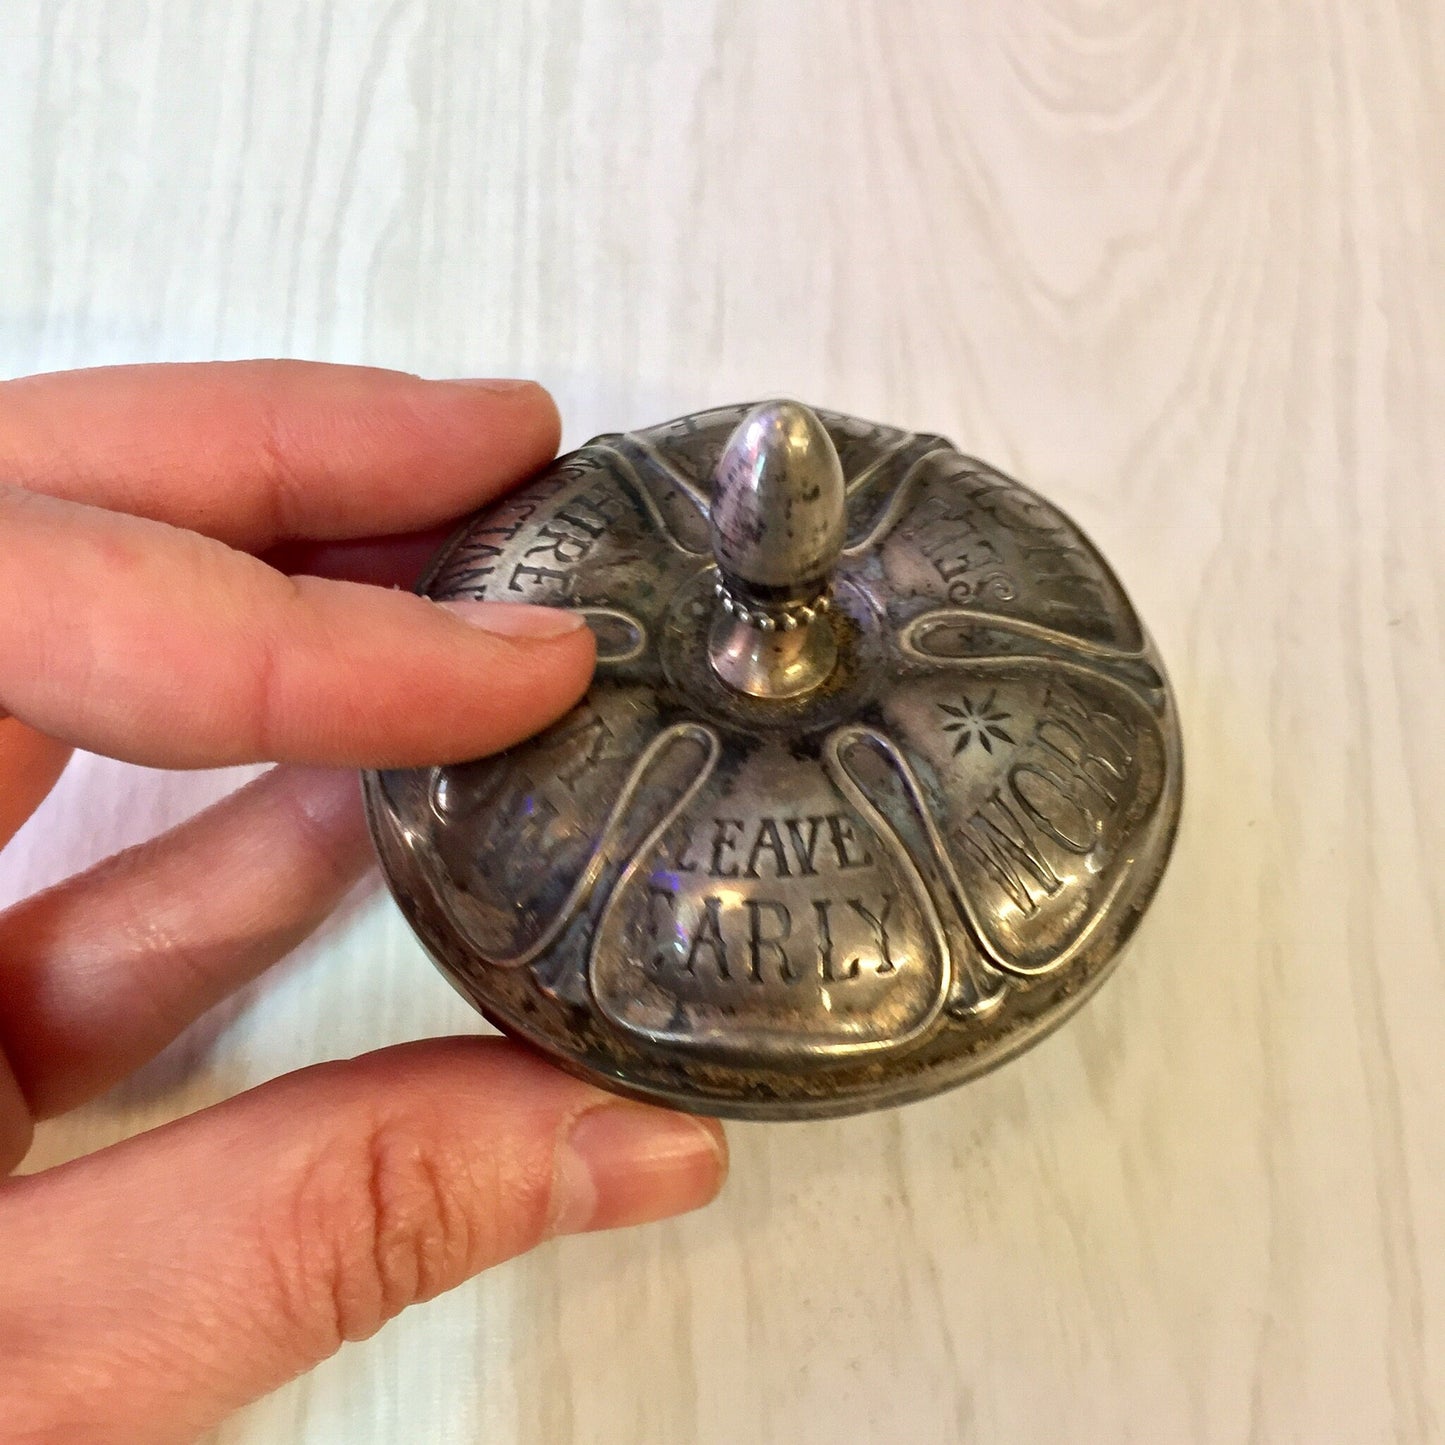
(149, 1289)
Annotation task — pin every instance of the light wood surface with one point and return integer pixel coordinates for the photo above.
(1178, 265)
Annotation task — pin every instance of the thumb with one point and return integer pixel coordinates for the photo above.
(152, 1288)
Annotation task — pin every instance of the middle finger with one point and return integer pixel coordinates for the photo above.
(105, 969)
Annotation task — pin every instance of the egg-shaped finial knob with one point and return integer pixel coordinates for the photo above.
(778, 527)
(777, 510)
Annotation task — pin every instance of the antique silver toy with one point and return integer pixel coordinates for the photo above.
(878, 771)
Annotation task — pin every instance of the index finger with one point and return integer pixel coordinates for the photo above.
(259, 452)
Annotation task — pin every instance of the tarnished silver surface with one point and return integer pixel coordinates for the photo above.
(778, 523)
(878, 771)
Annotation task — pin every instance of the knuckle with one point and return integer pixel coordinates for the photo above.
(379, 1222)
(282, 483)
(265, 692)
(271, 694)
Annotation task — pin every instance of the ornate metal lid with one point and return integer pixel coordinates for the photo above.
(877, 773)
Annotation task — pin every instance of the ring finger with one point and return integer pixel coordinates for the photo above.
(103, 970)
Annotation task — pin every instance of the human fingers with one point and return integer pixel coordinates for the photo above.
(151, 1289)
(105, 969)
(30, 764)
(257, 452)
(164, 647)
(391, 561)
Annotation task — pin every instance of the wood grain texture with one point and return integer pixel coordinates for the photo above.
(1178, 265)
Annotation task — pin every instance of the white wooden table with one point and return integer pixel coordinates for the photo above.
(1181, 266)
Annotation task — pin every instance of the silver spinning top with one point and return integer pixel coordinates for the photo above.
(877, 773)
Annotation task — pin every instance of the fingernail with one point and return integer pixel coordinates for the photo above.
(630, 1163)
(515, 619)
(494, 383)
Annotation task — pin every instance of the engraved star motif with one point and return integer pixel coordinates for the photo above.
(970, 722)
